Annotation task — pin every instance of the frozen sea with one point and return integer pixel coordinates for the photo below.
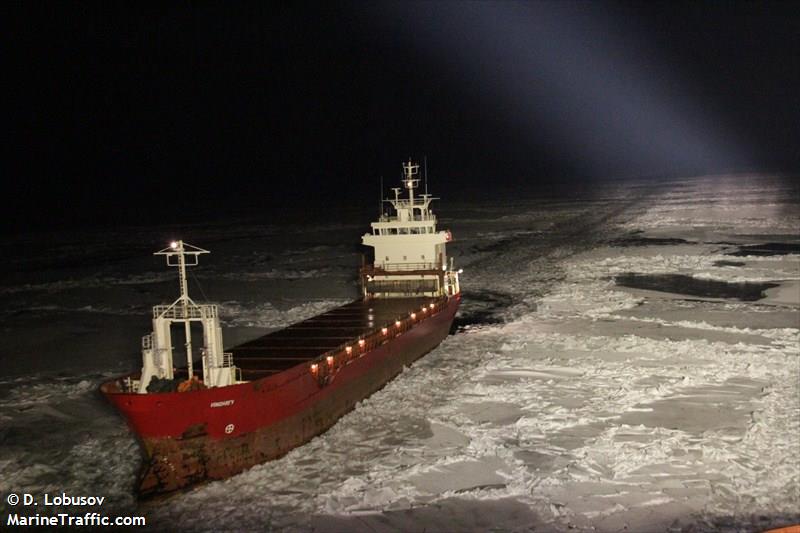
(563, 400)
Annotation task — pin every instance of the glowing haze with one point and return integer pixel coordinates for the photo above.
(576, 78)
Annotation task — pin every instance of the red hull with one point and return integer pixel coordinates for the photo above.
(191, 437)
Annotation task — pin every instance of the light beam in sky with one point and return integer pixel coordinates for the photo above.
(575, 78)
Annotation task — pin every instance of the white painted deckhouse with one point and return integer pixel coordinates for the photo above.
(410, 254)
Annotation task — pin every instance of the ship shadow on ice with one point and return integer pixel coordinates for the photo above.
(481, 308)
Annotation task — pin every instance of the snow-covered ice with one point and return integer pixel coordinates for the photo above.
(563, 401)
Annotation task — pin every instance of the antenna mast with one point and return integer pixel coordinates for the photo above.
(410, 180)
(425, 163)
(182, 250)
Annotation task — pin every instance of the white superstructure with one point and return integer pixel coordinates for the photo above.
(410, 254)
(157, 361)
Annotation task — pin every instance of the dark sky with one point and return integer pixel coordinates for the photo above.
(125, 112)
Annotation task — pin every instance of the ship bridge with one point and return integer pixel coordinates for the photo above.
(410, 257)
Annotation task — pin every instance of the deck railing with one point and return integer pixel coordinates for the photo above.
(175, 312)
(416, 218)
(388, 268)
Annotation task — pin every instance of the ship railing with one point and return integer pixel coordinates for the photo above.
(147, 342)
(328, 364)
(401, 267)
(227, 359)
(227, 362)
(130, 385)
(389, 294)
(176, 312)
(415, 218)
(404, 203)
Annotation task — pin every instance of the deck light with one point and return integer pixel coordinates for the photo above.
(413, 316)
(330, 360)
(349, 350)
(385, 331)
(314, 368)
(397, 323)
(361, 342)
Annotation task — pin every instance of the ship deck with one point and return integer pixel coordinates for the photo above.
(309, 339)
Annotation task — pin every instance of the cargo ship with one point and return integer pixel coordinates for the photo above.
(257, 401)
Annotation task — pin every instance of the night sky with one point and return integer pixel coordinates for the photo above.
(165, 112)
